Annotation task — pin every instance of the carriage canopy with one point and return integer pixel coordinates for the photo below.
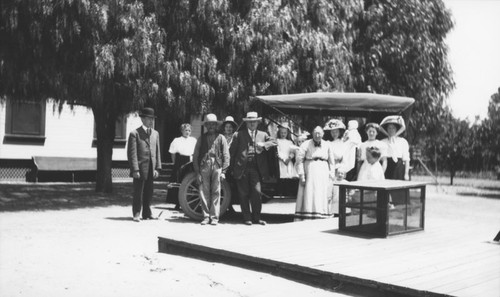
(345, 104)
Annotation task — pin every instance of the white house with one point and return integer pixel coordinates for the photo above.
(38, 129)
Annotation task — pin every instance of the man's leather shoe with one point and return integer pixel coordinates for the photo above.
(248, 223)
(205, 221)
(261, 222)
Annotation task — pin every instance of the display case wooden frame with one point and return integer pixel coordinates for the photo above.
(381, 208)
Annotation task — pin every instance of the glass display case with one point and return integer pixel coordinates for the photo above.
(381, 208)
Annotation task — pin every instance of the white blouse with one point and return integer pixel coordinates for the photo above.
(397, 147)
(183, 145)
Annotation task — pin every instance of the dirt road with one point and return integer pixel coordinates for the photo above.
(101, 252)
(82, 244)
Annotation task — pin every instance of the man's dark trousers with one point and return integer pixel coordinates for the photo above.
(143, 193)
(249, 192)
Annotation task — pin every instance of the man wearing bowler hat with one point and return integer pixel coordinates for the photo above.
(249, 166)
(144, 159)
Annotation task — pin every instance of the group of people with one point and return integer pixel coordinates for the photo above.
(213, 154)
(322, 162)
(315, 162)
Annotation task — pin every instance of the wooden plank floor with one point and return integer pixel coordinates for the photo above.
(448, 258)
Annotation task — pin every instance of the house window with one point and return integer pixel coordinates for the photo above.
(120, 133)
(25, 122)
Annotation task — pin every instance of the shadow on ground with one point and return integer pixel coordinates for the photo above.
(15, 197)
(232, 218)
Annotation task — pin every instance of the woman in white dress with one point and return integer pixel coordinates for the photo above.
(316, 167)
(339, 148)
(286, 152)
(372, 152)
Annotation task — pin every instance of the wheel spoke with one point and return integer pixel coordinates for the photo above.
(198, 207)
(194, 201)
(192, 188)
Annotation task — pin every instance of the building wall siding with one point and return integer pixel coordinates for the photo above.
(68, 134)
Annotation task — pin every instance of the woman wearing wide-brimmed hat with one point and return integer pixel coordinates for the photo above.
(336, 129)
(397, 163)
(228, 128)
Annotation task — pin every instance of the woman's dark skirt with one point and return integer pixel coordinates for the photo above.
(179, 161)
(395, 170)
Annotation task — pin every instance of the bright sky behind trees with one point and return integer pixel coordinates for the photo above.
(474, 55)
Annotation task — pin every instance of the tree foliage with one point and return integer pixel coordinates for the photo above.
(401, 50)
(192, 56)
(489, 133)
(219, 53)
(103, 54)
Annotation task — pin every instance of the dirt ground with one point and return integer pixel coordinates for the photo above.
(77, 243)
(66, 240)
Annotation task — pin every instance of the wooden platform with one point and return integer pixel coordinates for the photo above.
(448, 258)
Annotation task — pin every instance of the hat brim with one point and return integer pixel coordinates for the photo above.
(252, 119)
(147, 116)
(331, 129)
(399, 128)
(398, 125)
(230, 122)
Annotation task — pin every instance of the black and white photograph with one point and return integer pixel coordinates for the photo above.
(259, 148)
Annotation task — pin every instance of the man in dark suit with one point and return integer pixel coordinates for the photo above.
(144, 159)
(249, 166)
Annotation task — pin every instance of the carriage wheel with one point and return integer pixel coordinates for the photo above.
(190, 200)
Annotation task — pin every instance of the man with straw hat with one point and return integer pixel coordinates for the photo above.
(143, 152)
(210, 162)
(249, 166)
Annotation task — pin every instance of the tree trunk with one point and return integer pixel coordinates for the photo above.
(105, 122)
(452, 174)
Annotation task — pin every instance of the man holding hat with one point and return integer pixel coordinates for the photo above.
(249, 166)
(143, 154)
(210, 162)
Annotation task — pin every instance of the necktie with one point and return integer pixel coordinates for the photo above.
(149, 131)
(317, 144)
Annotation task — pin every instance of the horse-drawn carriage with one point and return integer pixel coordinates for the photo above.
(303, 112)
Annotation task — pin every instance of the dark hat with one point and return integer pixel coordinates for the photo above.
(147, 112)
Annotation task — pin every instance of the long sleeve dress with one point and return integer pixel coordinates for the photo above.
(285, 149)
(317, 164)
(339, 150)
